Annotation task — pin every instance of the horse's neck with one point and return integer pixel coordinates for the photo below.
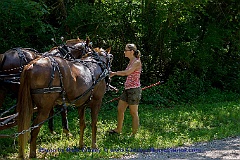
(87, 58)
(52, 52)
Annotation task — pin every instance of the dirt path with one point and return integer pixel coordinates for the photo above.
(228, 148)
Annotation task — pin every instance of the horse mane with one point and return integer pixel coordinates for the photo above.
(52, 49)
(29, 65)
(69, 43)
(72, 42)
(98, 50)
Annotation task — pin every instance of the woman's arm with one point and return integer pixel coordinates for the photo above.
(136, 65)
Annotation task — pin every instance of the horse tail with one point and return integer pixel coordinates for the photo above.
(24, 109)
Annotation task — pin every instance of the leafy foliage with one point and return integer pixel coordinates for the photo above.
(22, 25)
(192, 46)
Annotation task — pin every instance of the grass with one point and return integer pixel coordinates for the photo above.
(211, 116)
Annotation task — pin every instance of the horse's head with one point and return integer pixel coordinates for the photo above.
(78, 47)
(73, 42)
(105, 56)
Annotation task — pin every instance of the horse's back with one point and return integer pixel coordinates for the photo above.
(40, 72)
(16, 58)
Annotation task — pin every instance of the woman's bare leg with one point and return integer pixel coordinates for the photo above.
(122, 105)
(135, 118)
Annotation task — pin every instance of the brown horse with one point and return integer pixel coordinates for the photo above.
(13, 61)
(76, 82)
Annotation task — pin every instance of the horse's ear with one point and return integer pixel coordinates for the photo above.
(87, 41)
(108, 50)
(69, 43)
(72, 42)
(97, 50)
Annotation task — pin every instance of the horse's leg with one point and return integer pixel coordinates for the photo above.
(45, 104)
(42, 116)
(50, 122)
(81, 114)
(95, 107)
(65, 121)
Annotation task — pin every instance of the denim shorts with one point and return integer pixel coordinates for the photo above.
(132, 96)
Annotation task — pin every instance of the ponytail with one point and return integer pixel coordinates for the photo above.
(137, 54)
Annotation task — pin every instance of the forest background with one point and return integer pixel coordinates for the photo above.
(192, 46)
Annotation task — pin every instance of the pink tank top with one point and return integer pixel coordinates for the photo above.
(133, 79)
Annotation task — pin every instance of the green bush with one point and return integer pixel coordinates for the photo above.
(22, 25)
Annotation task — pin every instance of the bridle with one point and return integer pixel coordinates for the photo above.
(103, 58)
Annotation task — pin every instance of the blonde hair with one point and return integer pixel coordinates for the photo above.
(133, 47)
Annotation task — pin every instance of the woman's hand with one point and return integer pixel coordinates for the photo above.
(112, 74)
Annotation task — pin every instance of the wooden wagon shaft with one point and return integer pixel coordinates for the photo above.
(4, 118)
(9, 119)
(5, 123)
(9, 125)
(5, 136)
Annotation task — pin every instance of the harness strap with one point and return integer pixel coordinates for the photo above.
(60, 89)
(11, 75)
(54, 64)
(11, 80)
(50, 88)
(101, 77)
(22, 57)
(47, 90)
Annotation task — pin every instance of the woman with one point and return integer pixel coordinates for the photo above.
(132, 89)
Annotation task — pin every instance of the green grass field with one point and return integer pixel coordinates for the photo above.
(211, 116)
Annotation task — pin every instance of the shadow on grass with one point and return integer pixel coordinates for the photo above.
(179, 126)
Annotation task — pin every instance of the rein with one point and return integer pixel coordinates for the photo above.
(144, 88)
